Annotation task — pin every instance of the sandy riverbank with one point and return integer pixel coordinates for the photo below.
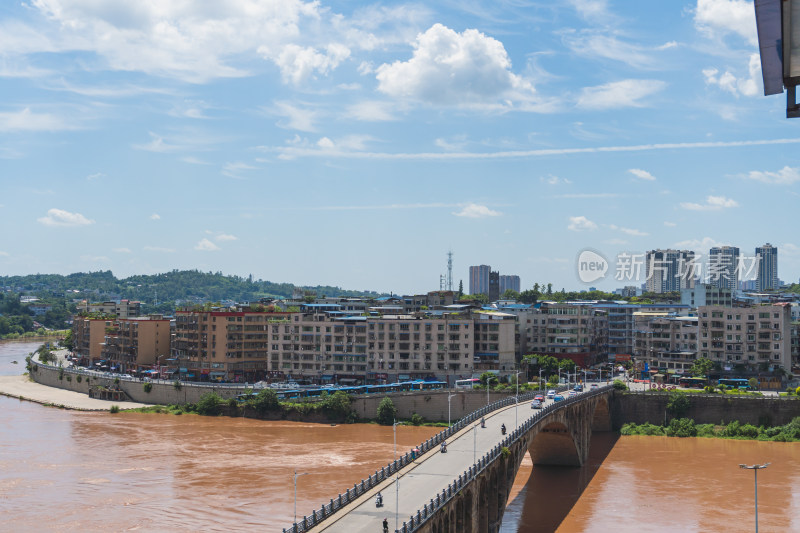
(23, 388)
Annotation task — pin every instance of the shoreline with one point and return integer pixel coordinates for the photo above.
(23, 388)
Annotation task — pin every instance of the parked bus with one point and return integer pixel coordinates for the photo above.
(696, 383)
(739, 383)
(467, 383)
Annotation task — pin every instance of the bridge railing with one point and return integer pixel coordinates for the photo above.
(428, 510)
(351, 494)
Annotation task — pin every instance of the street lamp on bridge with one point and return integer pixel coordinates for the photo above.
(296, 475)
(755, 469)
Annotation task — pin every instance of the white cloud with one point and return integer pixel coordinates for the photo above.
(297, 118)
(785, 176)
(191, 41)
(370, 111)
(593, 44)
(26, 120)
(234, 169)
(160, 249)
(204, 245)
(555, 180)
(194, 160)
(628, 231)
(476, 211)
(590, 9)
(583, 195)
(4, 254)
(225, 237)
(296, 147)
(624, 93)
(155, 216)
(95, 176)
(157, 145)
(461, 69)
(790, 249)
(59, 217)
(581, 223)
(697, 244)
(121, 250)
(746, 86)
(299, 63)
(669, 224)
(642, 174)
(713, 203)
(718, 18)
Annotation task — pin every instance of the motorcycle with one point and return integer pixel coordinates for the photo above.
(379, 500)
(503, 429)
(444, 447)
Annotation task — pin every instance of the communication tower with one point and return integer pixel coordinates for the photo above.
(450, 270)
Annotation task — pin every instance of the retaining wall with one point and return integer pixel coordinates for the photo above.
(705, 409)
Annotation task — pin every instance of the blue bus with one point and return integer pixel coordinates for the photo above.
(739, 383)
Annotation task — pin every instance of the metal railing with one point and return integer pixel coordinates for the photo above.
(428, 510)
(350, 495)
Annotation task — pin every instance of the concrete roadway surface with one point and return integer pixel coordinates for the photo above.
(427, 476)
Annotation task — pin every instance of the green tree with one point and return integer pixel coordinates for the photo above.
(682, 427)
(460, 289)
(701, 367)
(753, 382)
(266, 400)
(510, 294)
(480, 298)
(209, 404)
(678, 403)
(488, 378)
(567, 365)
(387, 412)
(337, 405)
(68, 342)
(619, 385)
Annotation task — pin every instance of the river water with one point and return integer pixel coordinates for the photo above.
(72, 471)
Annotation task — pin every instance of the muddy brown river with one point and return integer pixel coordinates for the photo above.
(71, 471)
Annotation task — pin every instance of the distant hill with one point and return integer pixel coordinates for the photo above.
(178, 286)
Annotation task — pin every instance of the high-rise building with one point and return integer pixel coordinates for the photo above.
(723, 267)
(494, 286)
(767, 260)
(479, 279)
(509, 282)
(669, 270)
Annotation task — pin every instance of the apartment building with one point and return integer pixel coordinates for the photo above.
(669, 270)
(132, 344)
(573, 330)
(707, 294)
(621, 323)
(328, 346)
(121, 309)
(666, 343)
(88, 336)
(756, 336)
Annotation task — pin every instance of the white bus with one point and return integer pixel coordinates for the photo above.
(467, 383)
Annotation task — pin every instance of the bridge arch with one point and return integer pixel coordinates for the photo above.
(601, 418)
(554, 444)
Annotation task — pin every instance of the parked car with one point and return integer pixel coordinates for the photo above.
(558, 398)
(551, 393)
(536, 404)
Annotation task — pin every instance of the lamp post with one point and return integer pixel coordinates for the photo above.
(755, 469)
(474, 442)
(540, 378)
(296, 475)
(449, 397)
(516, 400)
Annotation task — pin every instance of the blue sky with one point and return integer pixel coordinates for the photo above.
(355, 143)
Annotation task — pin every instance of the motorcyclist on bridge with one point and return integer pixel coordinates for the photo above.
(503, 429)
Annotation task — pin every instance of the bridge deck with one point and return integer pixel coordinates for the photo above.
(425, 477)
